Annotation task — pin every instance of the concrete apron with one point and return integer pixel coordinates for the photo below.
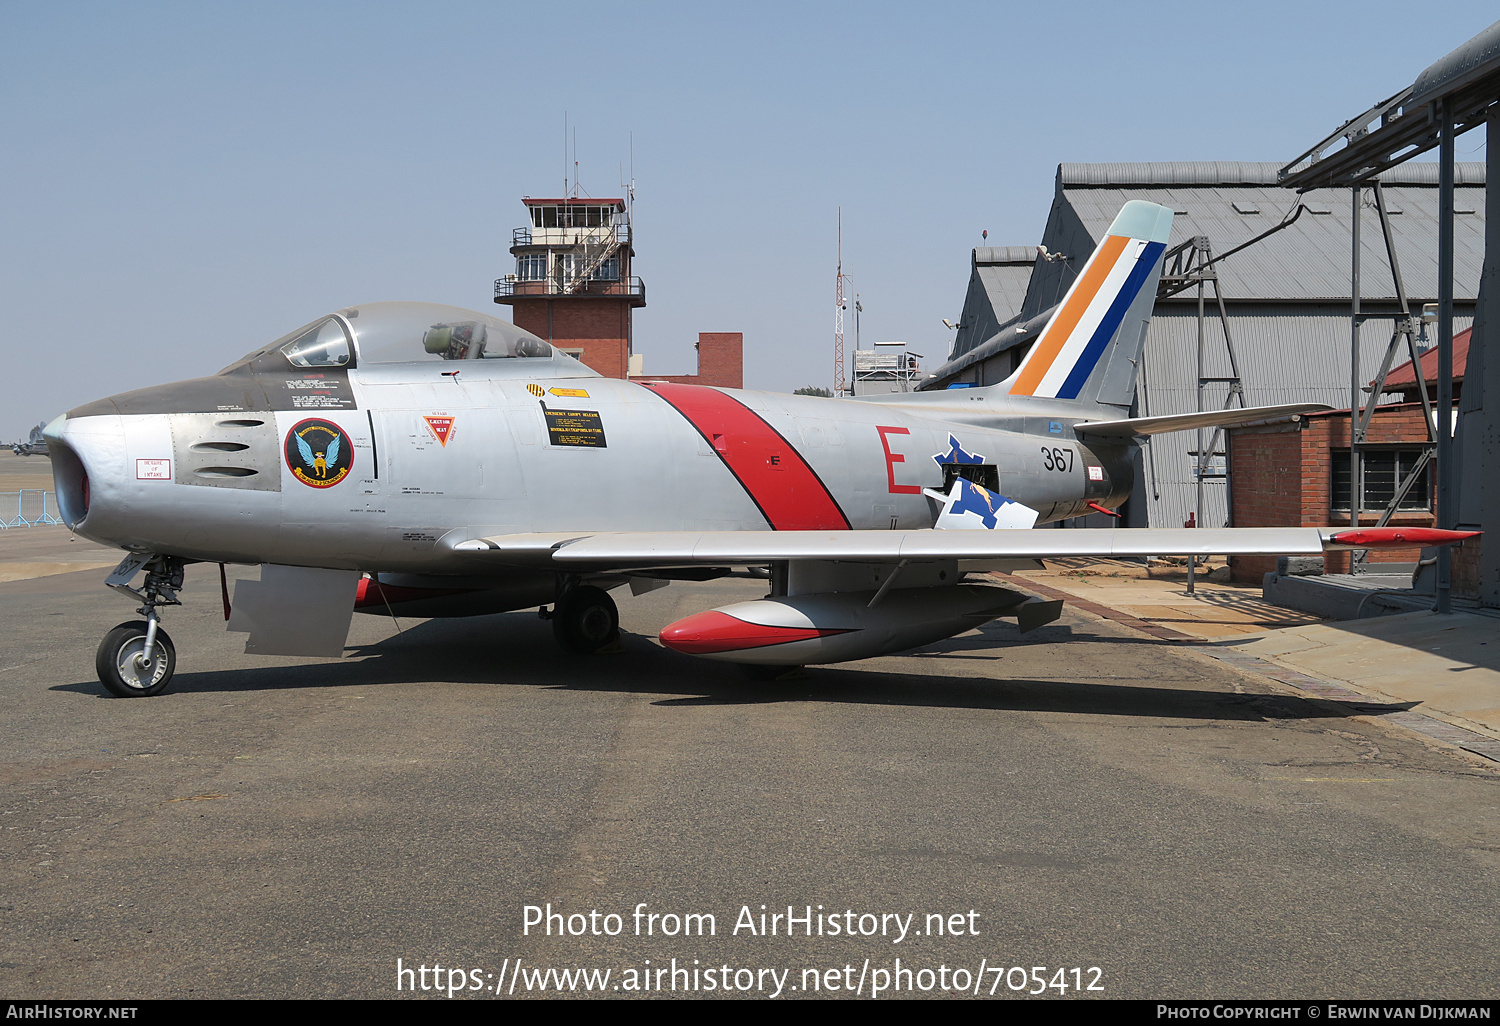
(1449, 664)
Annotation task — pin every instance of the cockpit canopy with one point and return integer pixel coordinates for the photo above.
(379, 333)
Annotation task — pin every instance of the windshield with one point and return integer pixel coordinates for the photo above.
(412, 332)
(325, 344)
(401, 333)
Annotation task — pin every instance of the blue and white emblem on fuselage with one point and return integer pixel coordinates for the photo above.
(956, 455)
(970, 507)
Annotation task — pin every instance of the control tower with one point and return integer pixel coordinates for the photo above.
(572, 283)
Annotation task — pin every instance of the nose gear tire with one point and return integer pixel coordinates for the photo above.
(586, 620)
(118, 667)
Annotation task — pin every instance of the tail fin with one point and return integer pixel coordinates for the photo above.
(1090, 348)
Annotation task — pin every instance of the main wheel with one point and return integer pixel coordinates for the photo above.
(118, 661)
(586, 620)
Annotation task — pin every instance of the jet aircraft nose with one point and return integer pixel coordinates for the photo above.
(88, 454)
(191, 469)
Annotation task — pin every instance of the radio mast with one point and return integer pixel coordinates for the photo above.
(838, 315)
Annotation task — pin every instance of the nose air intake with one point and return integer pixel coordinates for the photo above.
(69, 475)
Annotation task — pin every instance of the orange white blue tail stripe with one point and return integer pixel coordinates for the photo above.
(1091, 314)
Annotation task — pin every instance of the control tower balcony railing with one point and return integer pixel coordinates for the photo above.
(561, 238)
(508, 289)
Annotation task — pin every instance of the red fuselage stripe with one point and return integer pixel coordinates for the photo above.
(713, 631)
(778, 480)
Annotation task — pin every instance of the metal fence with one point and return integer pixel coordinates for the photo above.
(30, 507)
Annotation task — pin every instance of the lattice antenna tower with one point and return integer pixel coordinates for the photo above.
(838, 315)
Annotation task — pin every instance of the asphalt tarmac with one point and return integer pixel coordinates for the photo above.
(1083, 797)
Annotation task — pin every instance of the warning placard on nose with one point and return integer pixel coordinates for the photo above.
(575, 428)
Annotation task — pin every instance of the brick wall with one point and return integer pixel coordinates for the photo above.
(721, 358)
(600, 327)
(720, 362)
(1464, 577)
(1267, 488)
(1284, 478)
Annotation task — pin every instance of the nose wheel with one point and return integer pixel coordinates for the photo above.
(124, 666)
(136, 659)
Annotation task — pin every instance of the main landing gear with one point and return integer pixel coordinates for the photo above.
(585, 620)
(136, 658)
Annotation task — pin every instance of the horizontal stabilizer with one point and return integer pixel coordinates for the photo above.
(1136, 427)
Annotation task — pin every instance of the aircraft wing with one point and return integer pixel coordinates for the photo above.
(643, 549)
(1135, 427)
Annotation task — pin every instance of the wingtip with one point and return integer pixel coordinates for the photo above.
(1397, 537)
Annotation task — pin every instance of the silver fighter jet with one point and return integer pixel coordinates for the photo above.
(407, 458)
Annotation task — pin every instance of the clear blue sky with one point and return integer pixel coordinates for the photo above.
(186, 181)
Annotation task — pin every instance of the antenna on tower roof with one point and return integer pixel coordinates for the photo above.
(629, 187)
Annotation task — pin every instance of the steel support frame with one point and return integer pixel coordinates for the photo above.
(1184, 267)
(1356, 436)
(1447, 515)
(1406, 327)
(1410, 124)
(1361, 413)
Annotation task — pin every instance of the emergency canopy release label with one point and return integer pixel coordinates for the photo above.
(575, 428)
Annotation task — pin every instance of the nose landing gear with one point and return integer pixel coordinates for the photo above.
(137, 658)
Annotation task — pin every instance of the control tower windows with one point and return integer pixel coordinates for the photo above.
(573, 215)
(531, 267)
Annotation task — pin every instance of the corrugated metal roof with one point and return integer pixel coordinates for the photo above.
(984, 255)
(1288, 354)
(1237, 172)
(1403, 375)
(998, 283)
(1006, 285)
(1311, 259)
(1476, 59)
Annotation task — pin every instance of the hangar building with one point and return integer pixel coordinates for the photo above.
(1286, 298)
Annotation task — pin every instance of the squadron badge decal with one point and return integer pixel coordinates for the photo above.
(319, 453)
